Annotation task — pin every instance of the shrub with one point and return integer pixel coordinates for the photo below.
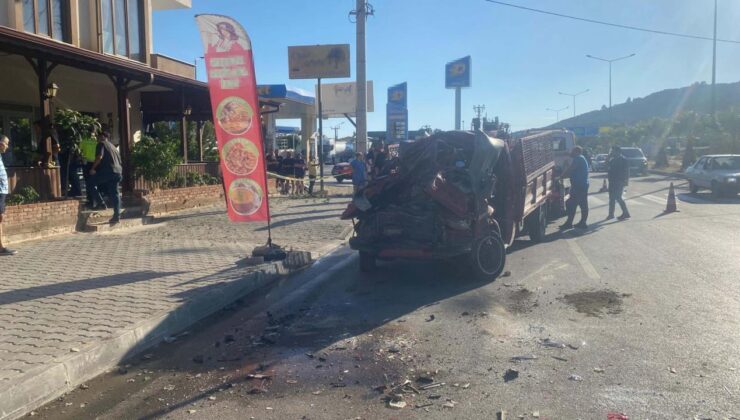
(26, 195)
(193, 179)
(155, 159)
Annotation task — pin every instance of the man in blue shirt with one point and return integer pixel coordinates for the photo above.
(4, 190)
(359, 172)
(578, 173)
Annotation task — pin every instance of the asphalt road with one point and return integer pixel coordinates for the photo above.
(642, 318)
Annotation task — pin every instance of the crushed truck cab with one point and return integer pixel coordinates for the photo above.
(459, 196)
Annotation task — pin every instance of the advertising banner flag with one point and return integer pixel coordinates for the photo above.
(236, 116)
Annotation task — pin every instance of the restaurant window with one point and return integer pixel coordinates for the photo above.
(47, 17)
(121, 24)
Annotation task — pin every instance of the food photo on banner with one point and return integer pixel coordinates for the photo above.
(233, 88)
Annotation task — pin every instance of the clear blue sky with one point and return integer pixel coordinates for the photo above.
(520, 59)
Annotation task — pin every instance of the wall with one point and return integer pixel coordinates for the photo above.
(87, 25)
(5, 14)
(33, 221)
(165, 201)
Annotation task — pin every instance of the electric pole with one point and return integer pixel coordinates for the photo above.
(478, 109)
(336, 132)
(714, 63)
(362, 10)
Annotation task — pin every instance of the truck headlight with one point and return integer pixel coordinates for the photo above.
(732, 180)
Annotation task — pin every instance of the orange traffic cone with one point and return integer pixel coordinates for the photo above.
(604, 188)
(671, 205)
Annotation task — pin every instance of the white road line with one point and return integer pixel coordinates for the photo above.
(655, 199)
(634, 202)
(583, 260)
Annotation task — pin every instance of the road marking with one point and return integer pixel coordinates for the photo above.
(655, 199)
(583, 260)
(595, 201)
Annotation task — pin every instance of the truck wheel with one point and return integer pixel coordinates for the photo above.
(488, 257)
(536, 224)
(367, 262)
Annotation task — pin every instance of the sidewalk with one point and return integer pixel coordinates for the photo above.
(71, 307)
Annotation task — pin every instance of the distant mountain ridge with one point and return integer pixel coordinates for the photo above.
(664, 104)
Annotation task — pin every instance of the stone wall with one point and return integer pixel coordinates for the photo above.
(40, 220)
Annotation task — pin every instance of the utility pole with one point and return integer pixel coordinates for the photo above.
(714, 63)
(610, 61)
(557, 112)
(574, 95)
(478, 109)
(362, 10)
(336, 132)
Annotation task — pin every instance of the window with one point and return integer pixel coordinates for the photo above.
(121, 23)
(47, 17)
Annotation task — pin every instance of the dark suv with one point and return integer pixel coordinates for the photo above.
(636, 159)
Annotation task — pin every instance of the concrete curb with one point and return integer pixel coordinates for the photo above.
(48, 382)
(666, 173)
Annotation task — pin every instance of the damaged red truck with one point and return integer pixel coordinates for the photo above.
(460, 196)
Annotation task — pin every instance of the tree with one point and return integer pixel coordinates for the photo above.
(730, 122)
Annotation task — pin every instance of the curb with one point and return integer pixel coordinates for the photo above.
(48, 382)
(666, 173)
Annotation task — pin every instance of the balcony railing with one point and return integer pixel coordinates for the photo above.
(46, 181)
(210, 168)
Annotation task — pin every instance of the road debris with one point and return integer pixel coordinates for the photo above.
(506, 274)
(169, 387)
(575, 377)
(191, 411)
(212, 398)
(672, 370)
(536, 414)
(431, 318)
(228, 338)
(147, 356)
(74, 350)
(510, 375)
(598, 370)
(562, 359)
(552, 343)
(616, 416)
(449, 404)
(466, 386)
(198, 359)
(433, 385)
(397, 405)
(501, 415)
(524, 358)
(291, 381)
(258, 376)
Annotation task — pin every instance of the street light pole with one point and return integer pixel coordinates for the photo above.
(574, 95)
(610, 61)
(714, 63)
(557, 112)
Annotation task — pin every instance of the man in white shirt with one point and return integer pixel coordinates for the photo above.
(4, 190)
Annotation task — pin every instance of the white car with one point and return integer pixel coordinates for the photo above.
(718, 173)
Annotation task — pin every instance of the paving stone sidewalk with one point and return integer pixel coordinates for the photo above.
(62, 296)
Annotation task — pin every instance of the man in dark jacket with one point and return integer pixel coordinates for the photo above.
(618, 175)
(578, 174)
(107, 172)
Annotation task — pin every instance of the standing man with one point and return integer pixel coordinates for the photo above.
(107, 171)
(4, 191)
(578, 173)
(88, 147)
(618, 175)
(313, 166)
(359, 172)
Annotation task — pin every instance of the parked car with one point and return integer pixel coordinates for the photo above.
(600, 163)
(719, 173)
(636, 160)
(342, 171)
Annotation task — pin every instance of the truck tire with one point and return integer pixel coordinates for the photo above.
(488, 257)
(536, 224)
(367, 262)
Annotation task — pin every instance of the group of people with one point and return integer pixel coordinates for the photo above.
(365, 167)
(578, 172)
(292, 171)
(102, 173)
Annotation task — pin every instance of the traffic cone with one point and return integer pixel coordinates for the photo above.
(671, 205)
(604, 188)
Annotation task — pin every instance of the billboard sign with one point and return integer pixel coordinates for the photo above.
(397, 94)
(236, 114)
(458, 73)
(397, 118)
(338, 99)
(319, 61)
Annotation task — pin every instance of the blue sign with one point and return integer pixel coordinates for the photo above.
(458, 73)
(397, 95)
(397, 118)
(584, 131)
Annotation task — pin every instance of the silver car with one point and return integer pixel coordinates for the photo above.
(719, 173)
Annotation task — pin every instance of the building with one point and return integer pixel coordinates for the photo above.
(96, 57)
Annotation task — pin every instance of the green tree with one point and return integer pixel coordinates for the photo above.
(155, 159)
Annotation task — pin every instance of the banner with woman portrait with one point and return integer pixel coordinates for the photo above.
(236, 116)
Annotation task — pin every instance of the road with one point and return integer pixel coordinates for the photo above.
(648, 312)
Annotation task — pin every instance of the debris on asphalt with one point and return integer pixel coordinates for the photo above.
(617, 416)
(465, 313)
(431, 318)
(316, 392)
(536, 414)
(380, 388)
(501, 415)
(552, 343)
(576, 347)
(510, 375)
(524, 358)
(398, 405)
(310, 355)
(466, 386)
(562, 359)
(74, 350)
(169, 339)
(598, 370)
(84, 386)
(575, 377)
(291, 381)
(425, 380)
(434, 397)
(449, 404)
(394, 349)
(228, 338)
(198, 359)
(257, 376)
(169, 387)
(212, 398)
(433, 385)
(423, 405)
(192, 411)
(672, 370)
(505, 274)
(147, 356)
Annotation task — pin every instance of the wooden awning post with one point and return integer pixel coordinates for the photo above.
(199, 136)
(184, 127)
(124, 131)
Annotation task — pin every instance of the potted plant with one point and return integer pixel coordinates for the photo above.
(72, 127)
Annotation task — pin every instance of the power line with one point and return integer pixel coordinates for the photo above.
(616, 25)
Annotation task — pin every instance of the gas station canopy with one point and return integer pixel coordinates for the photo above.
(295, 103)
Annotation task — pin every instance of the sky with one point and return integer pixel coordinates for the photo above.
(521, 60)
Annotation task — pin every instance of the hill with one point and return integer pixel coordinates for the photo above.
(664, 104)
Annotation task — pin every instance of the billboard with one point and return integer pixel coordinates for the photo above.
(397, 95)
(458, 73)
(397, 123)
(318, 61)
(236, 116)
(338, 99)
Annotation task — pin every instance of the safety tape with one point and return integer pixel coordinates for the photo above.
(287, 178)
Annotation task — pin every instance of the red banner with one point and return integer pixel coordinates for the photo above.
(236, 116)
